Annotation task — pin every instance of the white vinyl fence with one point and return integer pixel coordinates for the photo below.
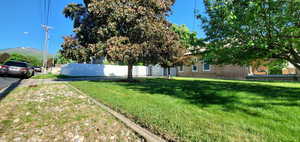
(111, 70)
(159, 71)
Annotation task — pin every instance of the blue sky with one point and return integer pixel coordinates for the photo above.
(21, 22)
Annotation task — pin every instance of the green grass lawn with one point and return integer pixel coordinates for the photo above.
(187, 109)
(48, 76)
(57, 76)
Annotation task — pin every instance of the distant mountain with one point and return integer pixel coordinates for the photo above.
(26, 51)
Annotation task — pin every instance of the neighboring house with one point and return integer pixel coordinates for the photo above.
(264, 70)
(203, 69)
(261, 70)
(290, 69)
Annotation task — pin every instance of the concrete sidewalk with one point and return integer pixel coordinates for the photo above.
(30, 82)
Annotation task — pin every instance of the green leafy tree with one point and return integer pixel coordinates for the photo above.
(240, 31)
(190, 42)
(4, 57)
(188, 39)
(174, 55)
(125, 31)
(276, 66)
(59, 59)
(29, 59)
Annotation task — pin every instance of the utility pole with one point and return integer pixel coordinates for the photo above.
(45, 48)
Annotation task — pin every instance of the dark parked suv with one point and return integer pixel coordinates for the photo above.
(17, 69)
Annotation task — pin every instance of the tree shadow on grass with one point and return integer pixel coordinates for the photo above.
(230, 95)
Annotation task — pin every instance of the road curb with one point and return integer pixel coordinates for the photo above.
(150, 137)
(6, 90)
(3, 90)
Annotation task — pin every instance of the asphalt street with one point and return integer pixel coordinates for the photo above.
(7, 81)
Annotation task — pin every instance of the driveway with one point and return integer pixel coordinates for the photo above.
(6, 81)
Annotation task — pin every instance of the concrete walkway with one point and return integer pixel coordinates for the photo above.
(30, 82)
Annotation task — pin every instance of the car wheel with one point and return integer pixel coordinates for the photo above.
(26, 76)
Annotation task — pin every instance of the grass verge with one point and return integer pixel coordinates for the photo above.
(56, 76)
(49, 76)
(187, 109)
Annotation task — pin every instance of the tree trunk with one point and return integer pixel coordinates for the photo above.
(169, 73)
(295, 59)
(129, 76)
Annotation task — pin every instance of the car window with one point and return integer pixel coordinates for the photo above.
(17, 64)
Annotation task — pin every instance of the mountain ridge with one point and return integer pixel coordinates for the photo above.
(26, 51)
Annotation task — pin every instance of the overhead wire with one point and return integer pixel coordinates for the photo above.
(195, 14)
(42, 7)
(45, 7)
(48, 12)
(45, 14)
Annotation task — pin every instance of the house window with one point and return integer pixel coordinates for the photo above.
(194, 68)
(206, 66)
(180, 68)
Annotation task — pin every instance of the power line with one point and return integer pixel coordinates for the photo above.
(48, 12)
(41, 2)
(195, 13)
(45, 12)
(40, 10)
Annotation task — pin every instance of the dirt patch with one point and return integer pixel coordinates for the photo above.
(56, 113)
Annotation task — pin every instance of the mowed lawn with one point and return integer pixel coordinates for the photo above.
(186, 109)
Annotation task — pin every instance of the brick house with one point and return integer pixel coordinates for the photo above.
(290, 69)
(203, 69)
(264, 70)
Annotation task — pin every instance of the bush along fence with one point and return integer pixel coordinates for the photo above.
(274, 77)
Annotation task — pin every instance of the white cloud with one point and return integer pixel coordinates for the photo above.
(26, 33)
